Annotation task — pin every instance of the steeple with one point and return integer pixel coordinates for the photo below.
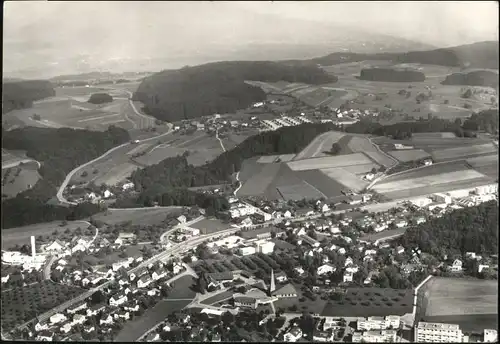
(272, 286)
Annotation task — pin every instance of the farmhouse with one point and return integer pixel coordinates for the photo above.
(324, 269)
(293, 335)
(144, 281)
(456, 266)
(57, 318)
(118, 299)
(127, 186)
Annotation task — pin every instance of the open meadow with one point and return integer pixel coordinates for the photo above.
(19, 178)
(406, 155)
(320, 144)
(463, 152)
(140, 216)
(209, 226)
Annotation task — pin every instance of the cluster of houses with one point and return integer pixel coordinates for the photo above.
(211, 124)
(78, 193)
(284, 121)
(122, 302)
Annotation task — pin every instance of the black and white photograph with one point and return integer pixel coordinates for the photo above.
(250, 171)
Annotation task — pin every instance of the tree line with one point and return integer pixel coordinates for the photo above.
(392, 75)
(475, 78)
(220, 87)
(59, 151)
(22, 94)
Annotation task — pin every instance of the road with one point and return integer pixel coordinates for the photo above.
(220, 141)
(181, 226)
(239, 183)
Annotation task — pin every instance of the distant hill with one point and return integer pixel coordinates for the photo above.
(219, 87)
(477, 55)
(22, 94)
(391, 75)
(475, 78)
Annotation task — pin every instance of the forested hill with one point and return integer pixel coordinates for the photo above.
(220, 87)
(475, 78)
(477, 55)
(22, 94)
(167, 181)
(472, 229)
(59, 151)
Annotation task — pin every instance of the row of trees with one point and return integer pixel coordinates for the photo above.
(391, 75)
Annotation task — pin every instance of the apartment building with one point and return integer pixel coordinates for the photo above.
(437, 333)
(379, 323)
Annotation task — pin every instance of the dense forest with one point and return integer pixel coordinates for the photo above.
(100, 98)
(22, 94)
(165, 182)
(477, 55)
(391, 75)
(472, 229)
(220, 87)
(59, 151)
(484, 120)
(475, 78)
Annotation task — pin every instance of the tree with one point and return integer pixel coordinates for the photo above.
(374, 170)
(227, 318)
(85, 174)
(467, 93)
(37, 117)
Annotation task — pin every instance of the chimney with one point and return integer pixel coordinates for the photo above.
(33, 247)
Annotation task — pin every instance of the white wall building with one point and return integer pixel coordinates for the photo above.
(247, 250)
(441, 198)
(437, 333)
(379, 323)
(265, 247)
(379, 336)
(490, 336)
(421, 202)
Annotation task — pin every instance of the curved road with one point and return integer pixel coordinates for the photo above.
(63, 186)
(19, 162)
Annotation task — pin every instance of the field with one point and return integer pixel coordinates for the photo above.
(348, 179)
(406, 155)
(487, 165)
(143, 216)
(134, 329)
(23, 304)
(259, 182)
(299, 191)
(471, 300)
(442, 135)
(218, 298)
(320, 144)
(462, 152)
(268, 159)
(19, 178)
(209, 226)
(365, 302)
(329, 162)
(359, 144)
(21, 235)
(328, 186)
(10, 157)
(201, 147)
(116, 174)
(432, 179)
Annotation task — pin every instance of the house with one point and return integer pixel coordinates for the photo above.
(77, 307)
(5, 279)
(182, 219)
(400, 250)
(287, 291)
(144, 281)
(374, 336)
(118, 299)
(79, 319)
(216, 337)
(132, 309)
(348, 261)
(348, 276)
(137, 274)
(490, 336)
(310, 241)
(159, 273)
(299, 271)
(281, 277)
(323, 336)
(247, 222)
(178, 267)
(247, 250)
(287, 214)
(88, 329)
(107, 194)
(125, 263)
(293, 335)
(355, 199)
(45, 336)
(153, 292)
(481, 267)
(57, 318)
(96, 309)
(123, 315)
(127, 186)
(40, 327)
(324, 269)
(106, 320)
(342, 251)
(125, 238)
(55, 246)
(456, 266)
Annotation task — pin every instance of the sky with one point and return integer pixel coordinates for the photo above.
(85, 33)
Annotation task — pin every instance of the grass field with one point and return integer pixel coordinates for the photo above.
(320, 144)
(116, 174)
(442, 135)
(328, 186)
(348, 179)
(226, 295)
(208, 226)
(406, 155)
(458, 297)
(21, 235)
(23, 304)
(487, 165)
(299, 191)
(143, 216)
(425, 171)
(182, 289)
(363, 145)
(268, 159)
(19, 178)
(462, 152)
(365, 302)
(259, 182)
(329, 162)
(134, 329)
(361, 170)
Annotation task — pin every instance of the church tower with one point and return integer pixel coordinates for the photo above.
(272, 286)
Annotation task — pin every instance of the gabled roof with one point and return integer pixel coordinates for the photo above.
(287, 289)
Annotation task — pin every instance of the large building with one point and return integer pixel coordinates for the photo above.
(379, 336)
(437, 333)
(379, 323)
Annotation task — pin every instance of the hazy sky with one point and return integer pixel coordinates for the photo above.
(48, 32)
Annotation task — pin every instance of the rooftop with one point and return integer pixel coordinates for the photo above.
(438, 326)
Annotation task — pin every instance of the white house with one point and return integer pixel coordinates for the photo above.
(107, 194)
(456, 266)
(247, 250)
(347, 276)
(342, 251)
(144, 281)
(177, 268)
(159, 273)
(293, 335)
(106, 320)
(324, 269)
(125, 263)
(281, 277)
(127, 186)
(348, 261)
(79, 319)
(118, 299)
(299, 270)
(76, 308)
(182, 219)
(66, 328)
(57, 318)
(55, 246)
